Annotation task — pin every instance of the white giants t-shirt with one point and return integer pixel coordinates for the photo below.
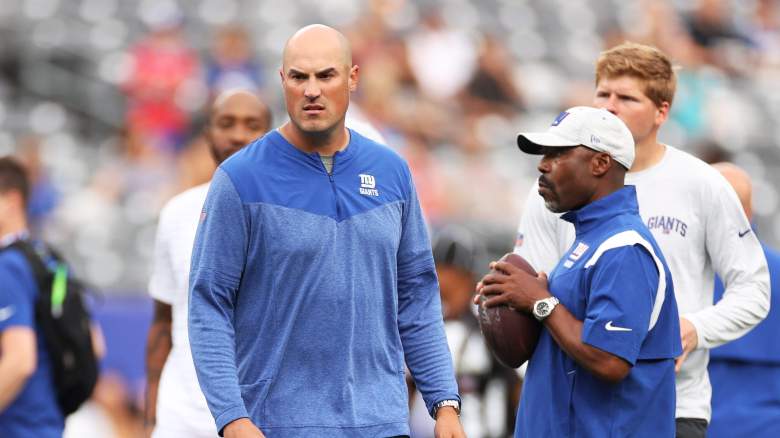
(181, 406)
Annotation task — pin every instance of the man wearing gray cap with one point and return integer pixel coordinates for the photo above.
(604, 365)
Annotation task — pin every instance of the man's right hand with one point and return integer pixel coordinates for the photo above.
(242, 428)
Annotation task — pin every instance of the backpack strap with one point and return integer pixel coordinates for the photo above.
(32, 256)
(59, 282)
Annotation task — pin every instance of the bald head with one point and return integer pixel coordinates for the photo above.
(740, 180)
(317, 38)
(242, 95)
(220, 99)
(237, 117)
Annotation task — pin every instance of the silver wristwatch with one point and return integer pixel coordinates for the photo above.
(543, 308)
(454, 403)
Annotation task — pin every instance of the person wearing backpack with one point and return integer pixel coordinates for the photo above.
(28, 398)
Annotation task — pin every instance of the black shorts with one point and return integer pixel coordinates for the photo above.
(691, 428)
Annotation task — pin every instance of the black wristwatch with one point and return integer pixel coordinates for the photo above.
(453, 403)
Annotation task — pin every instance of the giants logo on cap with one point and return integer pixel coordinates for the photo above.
(560, 118)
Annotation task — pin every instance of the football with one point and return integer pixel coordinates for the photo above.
(510, 334)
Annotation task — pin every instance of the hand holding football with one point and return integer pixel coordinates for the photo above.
(510, 334)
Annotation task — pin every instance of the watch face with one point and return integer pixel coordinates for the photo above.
(542, 308)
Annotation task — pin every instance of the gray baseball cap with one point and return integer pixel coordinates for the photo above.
(597, 129)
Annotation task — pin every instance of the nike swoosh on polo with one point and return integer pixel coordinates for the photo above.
(6, 312)
(744, 233)
(614, 328)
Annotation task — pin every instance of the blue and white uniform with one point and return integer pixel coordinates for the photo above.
(698, 222)
(745, 373)
(615, 280)
(308, 291)
(34, 412)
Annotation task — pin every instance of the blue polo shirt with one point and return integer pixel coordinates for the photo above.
(34, 412)
(615, 280)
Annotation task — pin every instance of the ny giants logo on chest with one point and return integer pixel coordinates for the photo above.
(368, 185)
(667, 225)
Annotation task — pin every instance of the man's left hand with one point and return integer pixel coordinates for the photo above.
(448, 424)
(690, 339)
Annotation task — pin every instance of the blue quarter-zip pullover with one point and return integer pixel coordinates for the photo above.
(309, 292)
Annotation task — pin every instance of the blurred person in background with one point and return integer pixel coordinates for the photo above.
(280, 274)
(432, 184)
(492, 87)
(745, 373)
(488, 389)
(163, 66)
(28, 402)
(231, 63)
(691, 211)
(470, 160)
(765, 31)
(712, 27)
(442, 58)
(175, 405)
(44, 196)
(136, 171)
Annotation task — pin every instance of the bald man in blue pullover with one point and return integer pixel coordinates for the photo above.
(312, 280)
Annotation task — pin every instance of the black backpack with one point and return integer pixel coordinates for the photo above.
(62, 317)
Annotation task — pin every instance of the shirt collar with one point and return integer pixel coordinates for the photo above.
(618, 202)
(340, 157)
(10, 238)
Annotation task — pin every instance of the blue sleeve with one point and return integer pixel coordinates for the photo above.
(19, 291)
(419, 310)
(623, 289)
(218, 259)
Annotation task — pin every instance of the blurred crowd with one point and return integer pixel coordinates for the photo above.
(104, 100)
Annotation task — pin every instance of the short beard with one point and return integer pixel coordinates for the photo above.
(555, 208)
(320, 137)
(215, 154)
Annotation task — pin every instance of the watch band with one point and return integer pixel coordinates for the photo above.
(453, 403)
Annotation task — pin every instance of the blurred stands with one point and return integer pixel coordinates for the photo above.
(448, 83)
